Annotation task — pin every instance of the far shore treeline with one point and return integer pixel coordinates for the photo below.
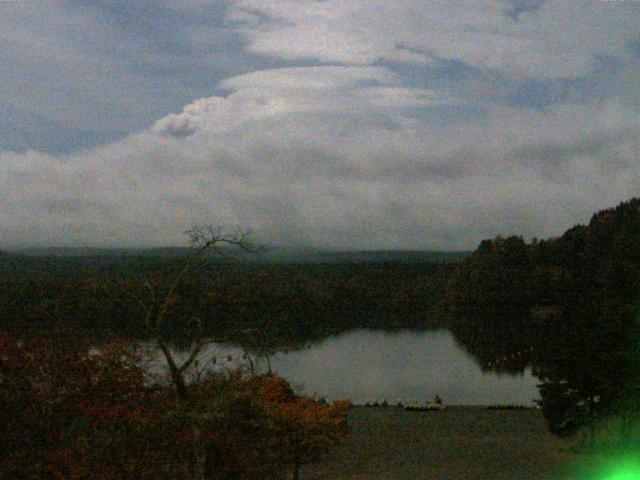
(288, 303)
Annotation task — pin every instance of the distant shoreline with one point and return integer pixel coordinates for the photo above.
(274, 255)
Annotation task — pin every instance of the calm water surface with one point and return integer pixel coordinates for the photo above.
(367, 365)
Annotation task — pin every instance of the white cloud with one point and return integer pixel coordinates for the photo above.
(560, 39)
(310, 91)
(329, 157)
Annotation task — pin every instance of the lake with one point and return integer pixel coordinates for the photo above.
(367, 365)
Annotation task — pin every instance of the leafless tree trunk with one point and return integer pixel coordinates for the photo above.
(247, 355)
(203, 240)
(268, 357)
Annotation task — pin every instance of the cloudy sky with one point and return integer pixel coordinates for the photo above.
(405, 124)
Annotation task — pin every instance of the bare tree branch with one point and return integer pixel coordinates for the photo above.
(194, 354)
(203, 239)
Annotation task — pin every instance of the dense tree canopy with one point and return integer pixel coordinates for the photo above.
(565, 306)
(297, 302)
(72, 411)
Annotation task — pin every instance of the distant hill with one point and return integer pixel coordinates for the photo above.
(394, 256)
(272, 255)
(99, 252)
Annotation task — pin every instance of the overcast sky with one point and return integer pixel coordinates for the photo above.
(368, 124)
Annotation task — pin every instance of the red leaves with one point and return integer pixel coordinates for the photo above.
(63, 402)
(301, 427)
(274, 389)
(72, 411)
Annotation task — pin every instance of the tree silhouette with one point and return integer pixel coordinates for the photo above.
(564, 306)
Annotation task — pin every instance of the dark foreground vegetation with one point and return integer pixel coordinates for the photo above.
(69, 411)
(569, 308)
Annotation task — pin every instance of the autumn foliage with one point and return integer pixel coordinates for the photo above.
(70, 411)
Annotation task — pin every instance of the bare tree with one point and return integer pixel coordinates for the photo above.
(204, 240)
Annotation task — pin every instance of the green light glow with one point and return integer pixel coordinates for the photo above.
(626, 470)
(623, 467)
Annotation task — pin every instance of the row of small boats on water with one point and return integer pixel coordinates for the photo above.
(429, 407)
(437, 405)
(513, 407)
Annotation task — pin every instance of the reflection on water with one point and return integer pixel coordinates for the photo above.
(365, 365)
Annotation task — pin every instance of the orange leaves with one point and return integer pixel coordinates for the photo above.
(72, 411)
(265, 428)
(303, 427)
(272, 388)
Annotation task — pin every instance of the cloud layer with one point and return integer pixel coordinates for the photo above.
(348, 124)
(337, 159)
(534, 39)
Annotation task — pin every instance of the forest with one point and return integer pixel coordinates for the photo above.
(567, 307)
(69, 411)
(294, 303)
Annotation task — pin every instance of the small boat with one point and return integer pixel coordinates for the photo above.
(436, 405)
